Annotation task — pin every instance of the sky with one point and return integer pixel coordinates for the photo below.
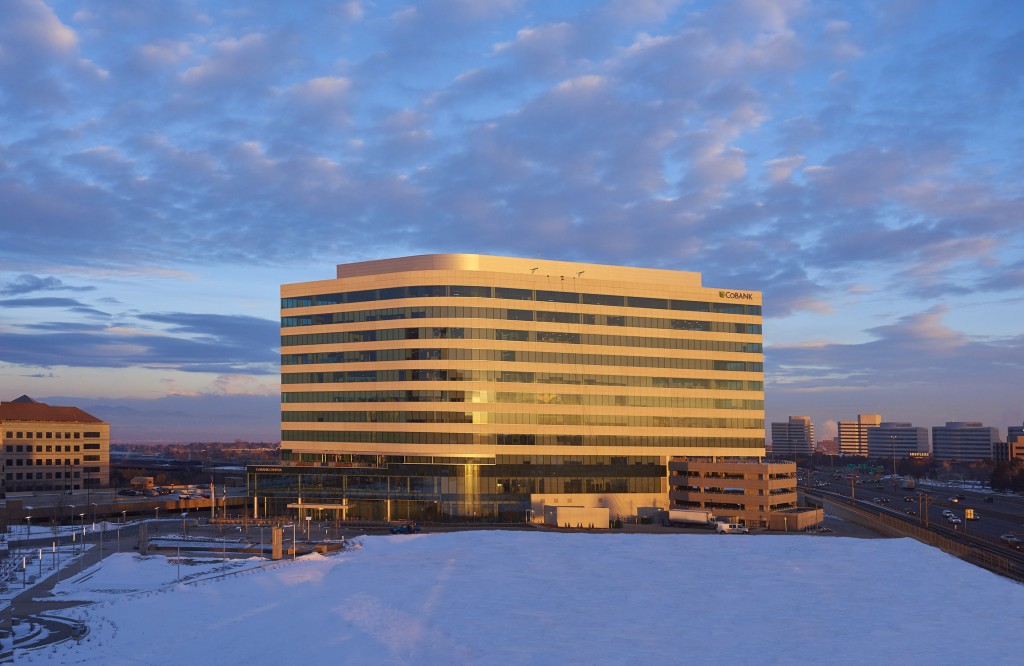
(508, 597)
(166, 164)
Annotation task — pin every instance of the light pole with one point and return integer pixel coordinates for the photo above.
(82, 546)
(28, 527)
(309, 520)
(156, 524)
(293, 541)
(893, 438)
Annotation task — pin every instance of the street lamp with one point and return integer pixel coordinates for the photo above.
(124, 517)
(308, 523)
(28, 527)
(893, 438)
(123, 523)
(156, 525)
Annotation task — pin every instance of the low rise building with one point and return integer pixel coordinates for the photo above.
(736, 491)
(51, 448)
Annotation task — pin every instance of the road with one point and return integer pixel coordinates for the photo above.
(1005, 514)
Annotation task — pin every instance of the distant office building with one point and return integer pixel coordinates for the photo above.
(898, 440)
(793, 438)
(48, 448)
(827, 446)
(1013, 432)
(963, 440)
(1013, 447)
(853, 435)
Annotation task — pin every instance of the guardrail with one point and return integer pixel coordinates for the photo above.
(969, 548)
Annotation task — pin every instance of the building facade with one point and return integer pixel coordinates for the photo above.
(742, 491)
(50, 448)
(964, 441)
(896, 440)
(853, 435)
(475, 387)
(793, 438)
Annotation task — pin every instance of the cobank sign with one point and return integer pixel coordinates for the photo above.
(736, 295)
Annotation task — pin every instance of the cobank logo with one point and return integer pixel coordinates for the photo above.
(736, 295)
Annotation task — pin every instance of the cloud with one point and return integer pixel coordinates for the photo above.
(35, 47)
(45, 302)
(232, 61)
(220, 344)
(26, 284)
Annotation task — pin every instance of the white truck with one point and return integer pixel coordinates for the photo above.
(908, 483)
(691, 517)
(731, 528)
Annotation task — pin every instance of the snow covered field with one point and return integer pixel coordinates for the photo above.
(497, 597)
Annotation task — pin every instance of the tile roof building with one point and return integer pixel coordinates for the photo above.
(52, 448)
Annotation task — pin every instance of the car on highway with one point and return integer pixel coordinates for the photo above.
(946, 513)
(910, 512)
(1013, 541)
(953, 520)
(954, 499)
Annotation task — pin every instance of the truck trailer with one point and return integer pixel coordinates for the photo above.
(691, 517)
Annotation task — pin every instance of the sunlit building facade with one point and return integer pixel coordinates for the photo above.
(52, 448)
(480, 387)
(853, 435)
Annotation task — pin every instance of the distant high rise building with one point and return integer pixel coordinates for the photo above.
(1013, 432)
(853, 435)
(793, 438)
(897, 440)
(963, 440)
(49, 448)
(1014, 447)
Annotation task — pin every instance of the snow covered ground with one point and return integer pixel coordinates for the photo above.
(495, 597)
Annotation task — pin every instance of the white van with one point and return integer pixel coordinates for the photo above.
(731, 528)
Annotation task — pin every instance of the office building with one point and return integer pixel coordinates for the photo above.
(473, 387)
(892, 439)
(827, 446)
(736, 491)
(49, 448)
(853, 435)
(963, 441)
(793, 438)
(1013, 433)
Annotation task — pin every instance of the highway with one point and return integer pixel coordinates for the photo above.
(1005, 513)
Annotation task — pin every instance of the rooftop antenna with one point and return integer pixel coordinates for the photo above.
(580, 273)
(534, 270)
